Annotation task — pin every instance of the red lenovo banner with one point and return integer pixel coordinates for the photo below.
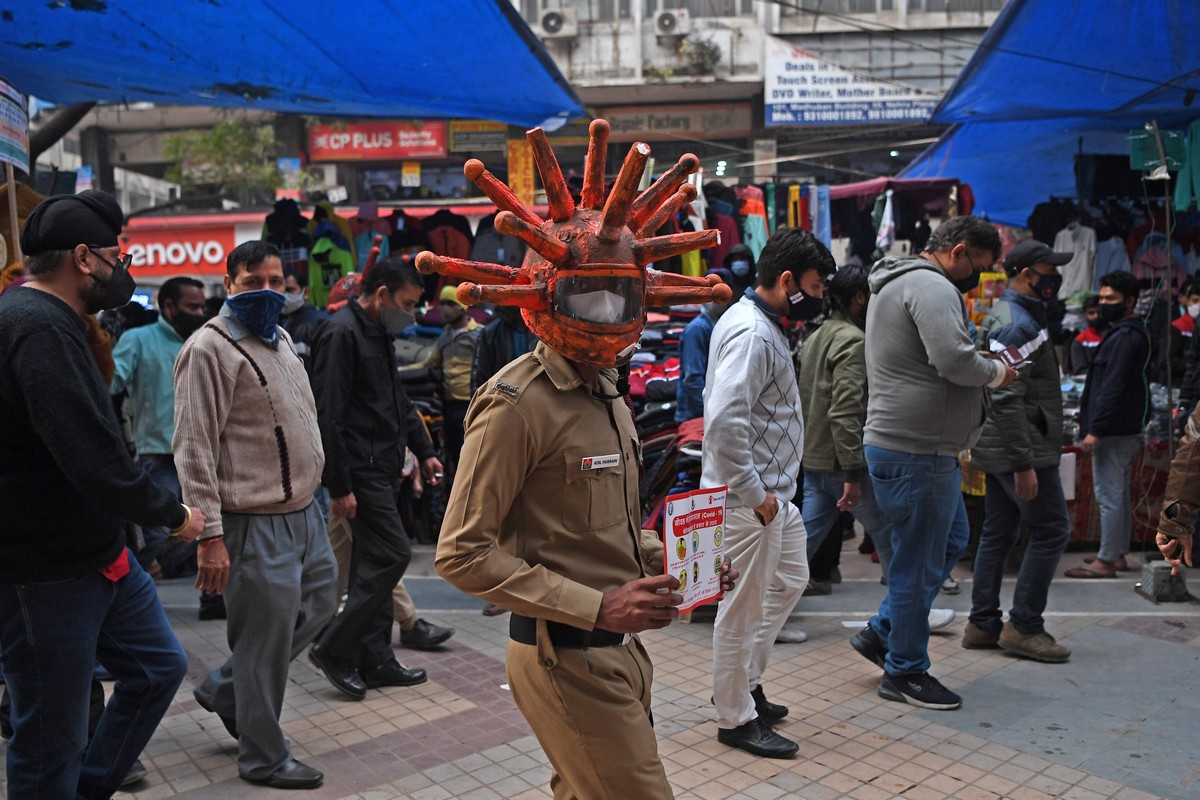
(185, 245)
(377, 141)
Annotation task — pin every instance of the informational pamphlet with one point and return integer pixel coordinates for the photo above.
(694, 535)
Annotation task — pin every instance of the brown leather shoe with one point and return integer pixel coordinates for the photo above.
(1035, 646)
(976, 638)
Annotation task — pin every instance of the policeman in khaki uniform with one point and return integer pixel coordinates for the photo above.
(544, 521)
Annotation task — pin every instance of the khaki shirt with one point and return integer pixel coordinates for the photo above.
(544, 514)
(1181, 500)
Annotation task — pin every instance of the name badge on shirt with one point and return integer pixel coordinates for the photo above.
(600, 462)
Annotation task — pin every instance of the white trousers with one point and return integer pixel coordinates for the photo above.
(773, 564)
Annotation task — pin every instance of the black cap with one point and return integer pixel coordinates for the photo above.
(1031, 252)
(64, 221)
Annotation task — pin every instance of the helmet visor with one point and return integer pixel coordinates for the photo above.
(601, 299)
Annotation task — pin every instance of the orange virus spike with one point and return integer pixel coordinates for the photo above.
(584, 286)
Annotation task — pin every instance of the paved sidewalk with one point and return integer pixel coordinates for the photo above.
(1120, 720)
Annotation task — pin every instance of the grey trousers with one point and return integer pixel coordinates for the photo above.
(282, 592)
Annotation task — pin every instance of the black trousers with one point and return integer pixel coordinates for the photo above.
(380, 554)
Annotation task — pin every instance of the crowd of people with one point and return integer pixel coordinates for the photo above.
(269, 440)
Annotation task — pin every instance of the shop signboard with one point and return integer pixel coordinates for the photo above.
(520, 170)
(477, 136)
(14, 128)
(691, 122)
(289, 179)
(196, 245)
(800, 88)
(410, 174)
(391, 140)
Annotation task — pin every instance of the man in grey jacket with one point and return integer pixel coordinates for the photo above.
(753, 444)
(1019, 450)
(925, 405)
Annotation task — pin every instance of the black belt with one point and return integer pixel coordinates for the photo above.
(524, 630)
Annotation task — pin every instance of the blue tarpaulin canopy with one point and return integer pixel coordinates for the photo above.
(383, 58)
(1053, 78)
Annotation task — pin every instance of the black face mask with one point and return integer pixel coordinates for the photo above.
(187, 324)
(117, 288)
(803, 306)
(1098, 324)
(1113, 313)
(966, 284)
(1046, 286)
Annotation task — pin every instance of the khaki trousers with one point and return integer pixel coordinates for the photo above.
(590, 711)
(340, 538)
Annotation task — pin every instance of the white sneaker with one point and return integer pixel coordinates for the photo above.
(790, 636)
(951, 586)
(940, 618)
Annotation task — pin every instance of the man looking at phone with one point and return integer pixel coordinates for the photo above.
(1019, 449)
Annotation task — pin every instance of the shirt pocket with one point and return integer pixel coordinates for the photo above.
(593, 497)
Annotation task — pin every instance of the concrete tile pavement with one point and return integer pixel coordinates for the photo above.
(1118, 721)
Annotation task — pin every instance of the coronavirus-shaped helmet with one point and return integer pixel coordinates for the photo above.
(584, 286)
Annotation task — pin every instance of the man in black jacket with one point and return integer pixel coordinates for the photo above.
(1112, 412)
(70, 593)
(366, 423)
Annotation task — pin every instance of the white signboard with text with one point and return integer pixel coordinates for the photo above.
(799, 88)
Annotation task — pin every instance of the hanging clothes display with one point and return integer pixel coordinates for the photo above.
(754, 218)
(323, 212)
(495, 247)
(366, 225)
(1110, 257)
(885, 236)
(327, 264)
(1187, 183)
(1079, 273)
(287, 229)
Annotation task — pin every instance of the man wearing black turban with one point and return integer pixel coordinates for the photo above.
(70, 595)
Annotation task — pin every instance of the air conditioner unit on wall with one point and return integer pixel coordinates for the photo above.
(558, 24)
(676, 22)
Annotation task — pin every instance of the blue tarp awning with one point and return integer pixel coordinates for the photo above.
(1053, 78)
(381, 58)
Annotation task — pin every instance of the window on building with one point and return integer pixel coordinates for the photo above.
(702, 8)
(955, 5)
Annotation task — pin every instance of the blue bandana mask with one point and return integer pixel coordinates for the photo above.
(258, 311)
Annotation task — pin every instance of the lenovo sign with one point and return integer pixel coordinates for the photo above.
(159, 248)
(176, 254)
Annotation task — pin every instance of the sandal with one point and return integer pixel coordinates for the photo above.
(1087, 572)
(1119, 566)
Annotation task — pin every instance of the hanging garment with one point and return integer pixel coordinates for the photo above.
(823, 219)
(1110, 257)
(324, 212)
(1078, 274)
(1187, 183)
(885, 236)
(327, 264)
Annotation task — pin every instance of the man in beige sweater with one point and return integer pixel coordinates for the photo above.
(249, 455)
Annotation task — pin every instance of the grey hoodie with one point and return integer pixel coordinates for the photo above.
(925, 375)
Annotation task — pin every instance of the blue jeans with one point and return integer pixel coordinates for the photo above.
(1049, 531)
(822, 490)
(161, 467)
(51, 635)
(922, 496)
(1111, 462)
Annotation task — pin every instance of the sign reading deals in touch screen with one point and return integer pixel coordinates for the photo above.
(800, 88)
(694, 544)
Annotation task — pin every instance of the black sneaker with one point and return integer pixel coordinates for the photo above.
(757, 737)
(920, 689)
(136, 773)
(869, 646)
